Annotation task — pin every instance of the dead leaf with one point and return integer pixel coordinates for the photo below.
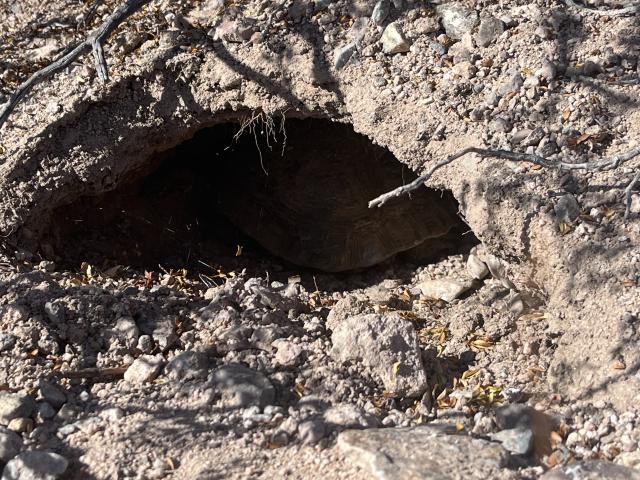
(619, 365)
(395, 368)
(564, 228)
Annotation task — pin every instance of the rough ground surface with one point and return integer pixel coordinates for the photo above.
(120, 373)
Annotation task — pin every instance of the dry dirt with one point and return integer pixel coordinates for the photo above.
(105, 262)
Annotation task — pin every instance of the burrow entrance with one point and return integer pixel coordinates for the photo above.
(235, 194)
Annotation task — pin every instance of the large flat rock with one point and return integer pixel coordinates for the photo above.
(422, 452)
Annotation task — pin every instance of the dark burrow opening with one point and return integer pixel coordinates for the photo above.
(260, 197)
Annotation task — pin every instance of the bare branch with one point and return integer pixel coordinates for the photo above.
(596, 166)
(92, 42)
(627, 194)
(615, 12)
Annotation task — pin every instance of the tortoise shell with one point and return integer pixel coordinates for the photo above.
(308, 202)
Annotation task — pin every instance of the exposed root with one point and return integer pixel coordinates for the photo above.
(595, 166)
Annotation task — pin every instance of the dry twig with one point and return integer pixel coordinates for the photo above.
(595, 166)
(614, 12)
(93, 42)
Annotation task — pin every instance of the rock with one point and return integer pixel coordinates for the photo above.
(477, 268)
(350, 416)
(381, 11)
(591, 68)
(189, 365)
(127, 329)
(426, 25)
(45, 411)
(547, 70)
(443, 289)
(164, 333)
(388, 345)
(234, 31)
(490, 28)
(567, 208)
(512, 84)
(52, 394)
(457, 19)
(145, 368)
(35, 465)
(592, 470)
(500, 125)
(10, 445)
(145, 343)
(422, 452)
(7, 341)
(288, 353)
(635, 203)
(263, 337)
(242, 387)
(21, 425)
(15, 405)
(312, 431)
(520, 417)
(343, 55)
(516, 440)
(393, 40)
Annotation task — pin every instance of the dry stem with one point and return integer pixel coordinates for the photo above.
(595, 166)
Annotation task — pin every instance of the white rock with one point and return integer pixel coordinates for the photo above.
(443, 289)
(35, 465)
(144, 369)
(393, 40)
(476, 267)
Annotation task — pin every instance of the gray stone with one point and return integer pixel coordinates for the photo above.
(164, 333)
(145, 368)
(567, 208)
(321, 5)
(343, 55)
(10, 445)
(35, 465)
(127, 329)
(516, 440)
(14, 405)
(350, 416)
(189, 365)
(422, 452)
(381, 11)
(547, 70)
(592, 470)
(490, 28)
(393, 40)
(312, 431)
(534, 138)
(443, 289)
(288, 353)
(263, 337)
(7, 341)
(45, 411)
(234, 31)
(512, 84)
(145, 343)
(477, 268)
(388, 345)
(242, 387)
(457, 19)
(52, 394)
(500, 125)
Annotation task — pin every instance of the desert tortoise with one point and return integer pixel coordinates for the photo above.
(311, 205)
